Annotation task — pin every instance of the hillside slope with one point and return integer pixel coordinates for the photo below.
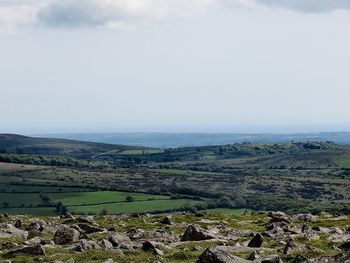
(18, 144)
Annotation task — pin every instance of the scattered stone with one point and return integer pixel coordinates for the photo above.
(136, 233)
(305, 217)
(117, 239)
(197, 248)
(18, 223)
(195, 233)
(106, 245)
(256, 241)
(8, 231)
(345, 245)
(300, 259)
(37, 250)
(150, 246)
(65, 235)
(255, 256)
(109, 261)
(35, 241)
(87, 245)
(89, 229)
(166, 220)
(212, 255)
(279, 217)
(272, 259)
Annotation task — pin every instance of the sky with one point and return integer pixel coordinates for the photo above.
(174, 65)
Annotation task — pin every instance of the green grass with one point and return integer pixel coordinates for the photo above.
(141, 151)
(343, 160)
(237, 212)
(100, 197)
(75, 198)
(134, 207)
(37, 211)
(170, 171)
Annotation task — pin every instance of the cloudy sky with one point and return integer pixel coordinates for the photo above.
(174, 65)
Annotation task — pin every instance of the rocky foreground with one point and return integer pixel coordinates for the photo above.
(203, 238)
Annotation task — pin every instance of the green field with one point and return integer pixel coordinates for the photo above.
(239, 211)
(343, 160)
(134, 207)
(141, 151)
(89, 202)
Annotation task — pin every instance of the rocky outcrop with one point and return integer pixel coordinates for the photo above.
(256, 241)
(37, 250)
(66, 235)
(89, 229)
(212, 255)
(8, 231)
(195, 233)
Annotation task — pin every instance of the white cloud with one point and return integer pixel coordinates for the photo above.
(311, 6)
(19, 14)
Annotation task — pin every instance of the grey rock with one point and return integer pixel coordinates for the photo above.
(18, 223)
(150, 246)
(256, 241)
(212, 255)
(8, 231)
(166, 220)
(195, 233)
(87, 245)
(89, 229)
(37, 250)
(106, 245)
(65, 235)
(272, 259)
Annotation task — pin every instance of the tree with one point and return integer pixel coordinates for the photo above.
(130, 198)
(58, 206)
(63, 210)
(104, 212)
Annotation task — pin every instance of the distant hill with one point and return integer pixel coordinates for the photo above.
(166, 140)
(18, 144)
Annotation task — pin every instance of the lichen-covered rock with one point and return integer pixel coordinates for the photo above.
(37, 250)
(66, 235)
(212, 255)
(89, 229)
(166, 220)
(87, 245)
(8, 231)
(150, 246)
(195, 233)
(256, 241)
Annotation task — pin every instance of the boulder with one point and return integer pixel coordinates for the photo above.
(66, 235)
(87, 245)
(150, 246)
(166, 220)
(117, 238)
(255, 256)
(279, 217)
(195, 233)
(19, 223)
(8, 231)
(212, 255)
(256, 241)
(272, 259)
(89, 229)
(37, 250)
(343, 257)
(106, 245)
